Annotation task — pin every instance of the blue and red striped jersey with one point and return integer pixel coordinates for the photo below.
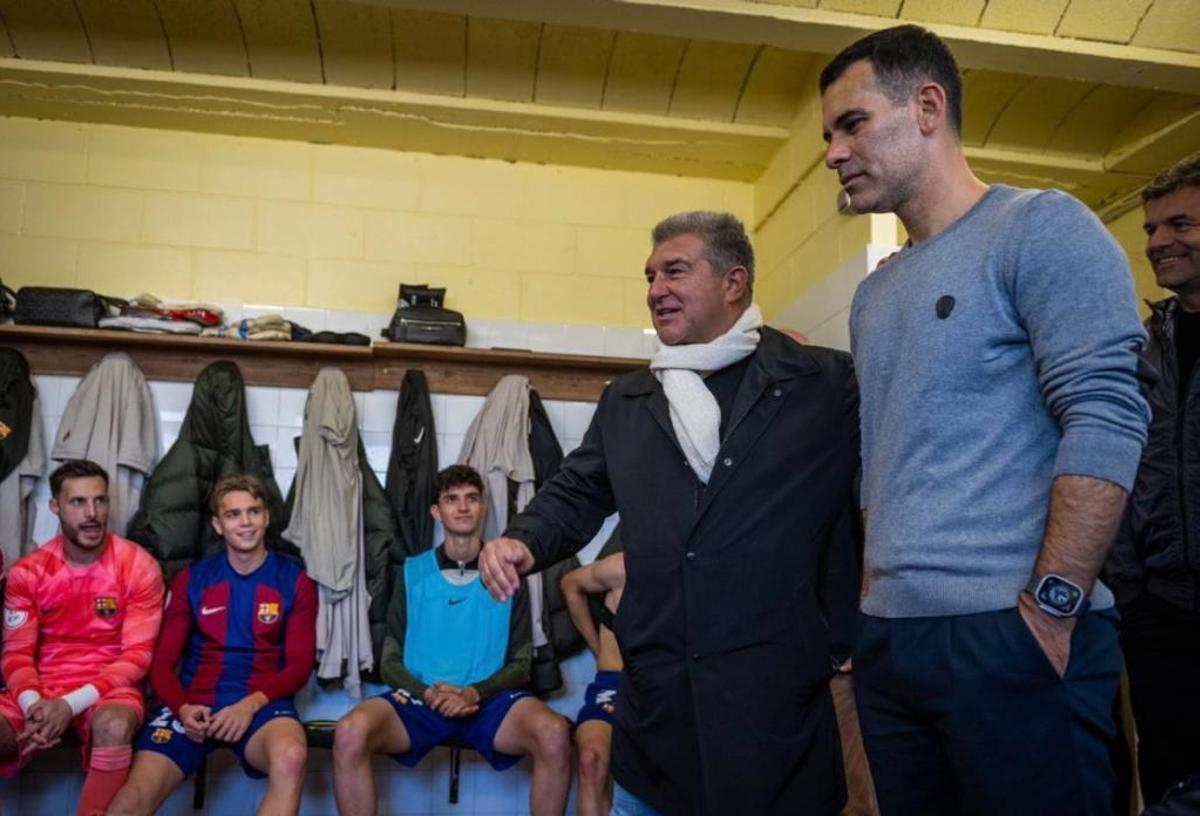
(226, 635)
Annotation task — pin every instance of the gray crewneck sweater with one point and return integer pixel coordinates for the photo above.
(996, 355)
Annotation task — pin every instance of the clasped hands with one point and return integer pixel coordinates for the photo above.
(228, 725)
(452, 701)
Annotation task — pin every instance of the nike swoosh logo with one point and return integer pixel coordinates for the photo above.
(454, 601)
(420, 435)
(210, 610)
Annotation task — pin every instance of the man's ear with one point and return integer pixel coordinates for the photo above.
(54, 505)
(435, 512)
(215, 525)
(735, 284)
(931, 107)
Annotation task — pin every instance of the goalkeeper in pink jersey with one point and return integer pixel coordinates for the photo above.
(80, 618)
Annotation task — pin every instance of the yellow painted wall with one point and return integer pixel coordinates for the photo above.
(1128, 231)
(805, 239)
(224, 219)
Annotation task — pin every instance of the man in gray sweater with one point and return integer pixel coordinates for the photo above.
(1001, 428)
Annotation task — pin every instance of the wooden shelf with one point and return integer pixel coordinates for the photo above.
(450, 369)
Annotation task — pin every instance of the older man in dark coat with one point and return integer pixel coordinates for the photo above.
(731, 461)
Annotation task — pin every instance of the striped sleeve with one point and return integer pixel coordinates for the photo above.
(177, 625)
(20, 632)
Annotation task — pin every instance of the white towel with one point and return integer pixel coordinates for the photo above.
(695, 415)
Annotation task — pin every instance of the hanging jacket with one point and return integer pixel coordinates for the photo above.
(22, 456)
(412, 466)
(109, 420)
(174, 520)
(563, 639)
(1158, 545)
(381, 537)
(326, 525)
(500, 445)
(16, 409)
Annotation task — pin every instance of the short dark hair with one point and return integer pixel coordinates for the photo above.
(902, 57)
(236, 483)
(75, 469)
(1183, 173)
(726, 244)
(456, 476)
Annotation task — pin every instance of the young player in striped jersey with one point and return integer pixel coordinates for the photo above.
(80, 617)
(237, 643)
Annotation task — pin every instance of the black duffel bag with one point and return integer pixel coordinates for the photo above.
(421, 318)
(52, 306)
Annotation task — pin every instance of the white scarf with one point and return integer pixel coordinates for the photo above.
(695, 414)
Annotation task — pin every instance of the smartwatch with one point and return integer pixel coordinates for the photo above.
(1058, 596)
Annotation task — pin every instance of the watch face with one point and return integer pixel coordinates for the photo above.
(1059, 594)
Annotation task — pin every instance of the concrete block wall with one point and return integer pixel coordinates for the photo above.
(125, 210)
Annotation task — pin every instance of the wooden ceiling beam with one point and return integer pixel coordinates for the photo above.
(826, 32)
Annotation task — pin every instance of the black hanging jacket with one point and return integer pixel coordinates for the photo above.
(173, 521)
(412, 466)
(16, 409)
(564, 639)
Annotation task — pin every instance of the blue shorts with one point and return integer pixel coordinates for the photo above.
(427, 728)
(164, 734)
(600, 699)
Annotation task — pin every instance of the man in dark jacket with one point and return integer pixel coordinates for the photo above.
(1154, 569)
(731, 461)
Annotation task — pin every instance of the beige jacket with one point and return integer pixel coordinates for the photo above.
(497, 445)
(110, 420)
(327, 527)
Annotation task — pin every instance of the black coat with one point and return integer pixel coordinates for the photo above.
(412, 466)
(724, 705)
(1158, 547)
(563, 638)
(174, 520)
(17, 395)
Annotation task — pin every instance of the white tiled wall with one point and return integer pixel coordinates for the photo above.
(50, 785)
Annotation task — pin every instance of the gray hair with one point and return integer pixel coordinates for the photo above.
(726, 244)
(1184, 173)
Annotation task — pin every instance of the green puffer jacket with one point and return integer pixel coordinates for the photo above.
(381, 536)
(173, 522)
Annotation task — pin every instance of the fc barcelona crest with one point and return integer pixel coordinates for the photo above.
(268, 612)
(161, 735)
(106, 606)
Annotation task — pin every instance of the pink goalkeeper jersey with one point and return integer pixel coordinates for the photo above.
(67, 626)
